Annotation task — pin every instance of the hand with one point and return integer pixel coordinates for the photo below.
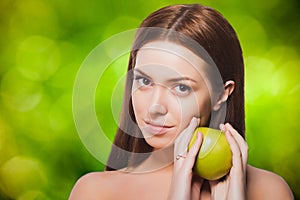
(181, 186)
(234, 185)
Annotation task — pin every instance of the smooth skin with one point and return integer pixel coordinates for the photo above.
(167, 107)
(178, 182)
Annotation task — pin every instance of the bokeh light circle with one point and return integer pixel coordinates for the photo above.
(38, 57)
(16, 173)
(20, 93)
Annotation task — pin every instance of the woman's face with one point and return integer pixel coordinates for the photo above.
(168, 90)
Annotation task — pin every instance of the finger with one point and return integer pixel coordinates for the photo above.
(222, 127)
(243, 146)
(197, 183)
(235, 133)
(189, 158)
(187, 133)
(184, 137)
(218, 189)
(193, 152)
(239, 139)
(213, 183)
(236, 153)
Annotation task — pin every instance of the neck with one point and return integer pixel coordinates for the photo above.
(161, 159)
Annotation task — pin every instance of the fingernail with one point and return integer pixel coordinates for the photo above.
(194, 120)
(222, 127)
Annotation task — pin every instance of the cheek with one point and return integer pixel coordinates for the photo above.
(190, 107)
(187, 108)
(188, 112)
(195, 107)
(137, 104)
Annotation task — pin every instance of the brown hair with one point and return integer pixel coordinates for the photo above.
(209, 29)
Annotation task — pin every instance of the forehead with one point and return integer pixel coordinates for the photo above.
(171, 58)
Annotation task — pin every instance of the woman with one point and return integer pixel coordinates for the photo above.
(185, 70)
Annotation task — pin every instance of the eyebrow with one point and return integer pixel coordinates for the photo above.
(142, 73)
(170, 80)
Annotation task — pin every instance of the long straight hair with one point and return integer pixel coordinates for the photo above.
(209, 29)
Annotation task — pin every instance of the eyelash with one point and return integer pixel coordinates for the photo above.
(176, 89)
(140, 80)
(186, 91)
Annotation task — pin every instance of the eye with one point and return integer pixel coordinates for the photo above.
(142, 81)
(182, 90)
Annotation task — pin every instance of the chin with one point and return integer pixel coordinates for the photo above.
(159, 143)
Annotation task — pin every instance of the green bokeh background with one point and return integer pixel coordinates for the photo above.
(44, 42)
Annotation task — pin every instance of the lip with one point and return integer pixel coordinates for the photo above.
(157, 128)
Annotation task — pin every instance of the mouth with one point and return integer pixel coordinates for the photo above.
(157, 128)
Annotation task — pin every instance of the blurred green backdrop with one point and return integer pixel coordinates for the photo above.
(44, 42)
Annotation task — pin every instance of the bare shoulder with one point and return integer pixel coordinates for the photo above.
(94, 185)
(262, 184)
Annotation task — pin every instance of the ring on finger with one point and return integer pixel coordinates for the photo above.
(180, 156)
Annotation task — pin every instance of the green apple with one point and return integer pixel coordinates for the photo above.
(214, 158)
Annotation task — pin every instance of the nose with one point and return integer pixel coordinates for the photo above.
(158, 102)
(157, 109)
